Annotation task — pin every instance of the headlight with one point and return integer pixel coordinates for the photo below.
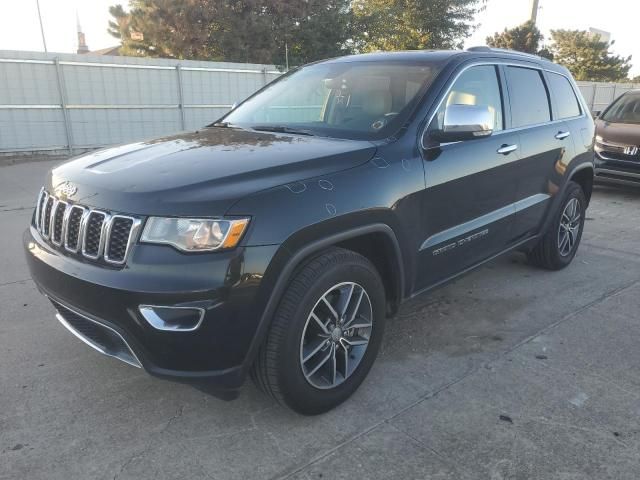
(194, 234)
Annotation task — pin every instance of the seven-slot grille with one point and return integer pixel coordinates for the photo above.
(92, 233)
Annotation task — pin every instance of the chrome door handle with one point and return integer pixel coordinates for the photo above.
(562, 135)
(507, 149)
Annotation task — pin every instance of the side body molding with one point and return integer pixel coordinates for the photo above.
(483, 221)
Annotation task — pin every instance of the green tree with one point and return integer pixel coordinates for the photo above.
(234, 30)
(523, 38)
(166, 28)
(413, 24)
(587, 57)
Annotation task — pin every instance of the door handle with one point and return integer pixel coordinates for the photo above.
(562, 135)
(507, 149)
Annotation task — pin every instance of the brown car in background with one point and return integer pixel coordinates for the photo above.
(617, 144)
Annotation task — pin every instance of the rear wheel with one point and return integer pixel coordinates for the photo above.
(325, 334)
(559, 245)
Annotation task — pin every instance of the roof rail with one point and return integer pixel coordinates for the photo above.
(484, 48)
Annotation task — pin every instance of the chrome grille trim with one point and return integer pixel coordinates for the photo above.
(39, 208)
(135, 226)
(76, 247)
(101, 241)
(54, 216)
(45, 224)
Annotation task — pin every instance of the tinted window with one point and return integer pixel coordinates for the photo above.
(476, 86)
(565, 98)
(625, 109)
(528, 95)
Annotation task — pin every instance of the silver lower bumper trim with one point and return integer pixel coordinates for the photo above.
(125, 354)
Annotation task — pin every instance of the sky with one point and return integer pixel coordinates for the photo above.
(19, 28)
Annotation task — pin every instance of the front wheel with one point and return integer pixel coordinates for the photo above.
(325, 334)
(559, 245)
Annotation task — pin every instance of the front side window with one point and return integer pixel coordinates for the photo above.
(626, 109)
(566, 102)
(528, 96)
(364, 100)
(475, 86)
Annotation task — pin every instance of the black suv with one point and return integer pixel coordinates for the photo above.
(277, 240)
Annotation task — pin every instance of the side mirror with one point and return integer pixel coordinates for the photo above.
(464, 122)
(596, 113)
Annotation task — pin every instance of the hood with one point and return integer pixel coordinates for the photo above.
(203, 172)
(624, 133)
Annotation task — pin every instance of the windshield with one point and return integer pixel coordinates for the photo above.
(624, 110)
(359, 100)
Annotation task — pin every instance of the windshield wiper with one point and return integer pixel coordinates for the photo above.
(282, 129)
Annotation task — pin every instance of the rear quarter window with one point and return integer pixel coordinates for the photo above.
(566, 102)
(528, 95)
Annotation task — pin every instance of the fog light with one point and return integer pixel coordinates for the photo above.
(172, 319)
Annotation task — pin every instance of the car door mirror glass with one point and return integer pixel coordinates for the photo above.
(464, 122)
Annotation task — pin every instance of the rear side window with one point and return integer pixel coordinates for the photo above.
(529, 99)
(566, 103)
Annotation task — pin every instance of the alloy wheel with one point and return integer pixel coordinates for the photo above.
(569, 228)
(336, 335)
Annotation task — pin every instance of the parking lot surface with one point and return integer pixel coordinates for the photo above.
(509, 373)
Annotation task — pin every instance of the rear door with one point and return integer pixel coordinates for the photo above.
(470, 185)
(545, 146)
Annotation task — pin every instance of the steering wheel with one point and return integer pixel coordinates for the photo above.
(382, 121)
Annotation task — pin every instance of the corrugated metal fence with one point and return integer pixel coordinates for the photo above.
(599, 95)
(65, 102)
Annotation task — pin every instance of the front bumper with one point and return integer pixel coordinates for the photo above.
(228, 286)
(617, 171)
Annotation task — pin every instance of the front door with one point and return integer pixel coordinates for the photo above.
(468, 203)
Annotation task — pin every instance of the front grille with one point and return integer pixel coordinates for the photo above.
(615, 151)
(93, 234)
(72, 242)
(619, 156)
(97, 335)
(116, 248)
(46, 221)
(90, 233)
(58, 220)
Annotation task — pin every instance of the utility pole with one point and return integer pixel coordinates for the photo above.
(534, 10)
(41, 27)
(286, 54)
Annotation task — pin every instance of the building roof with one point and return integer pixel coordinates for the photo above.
(113, 51)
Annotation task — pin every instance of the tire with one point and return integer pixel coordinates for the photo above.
(284, 367)
(559, 245)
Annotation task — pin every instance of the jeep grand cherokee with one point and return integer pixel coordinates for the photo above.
(276, 241)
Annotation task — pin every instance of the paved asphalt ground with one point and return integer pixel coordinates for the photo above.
(509, 373)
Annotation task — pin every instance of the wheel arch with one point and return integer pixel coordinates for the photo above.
(365, 240)
(583, 175)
